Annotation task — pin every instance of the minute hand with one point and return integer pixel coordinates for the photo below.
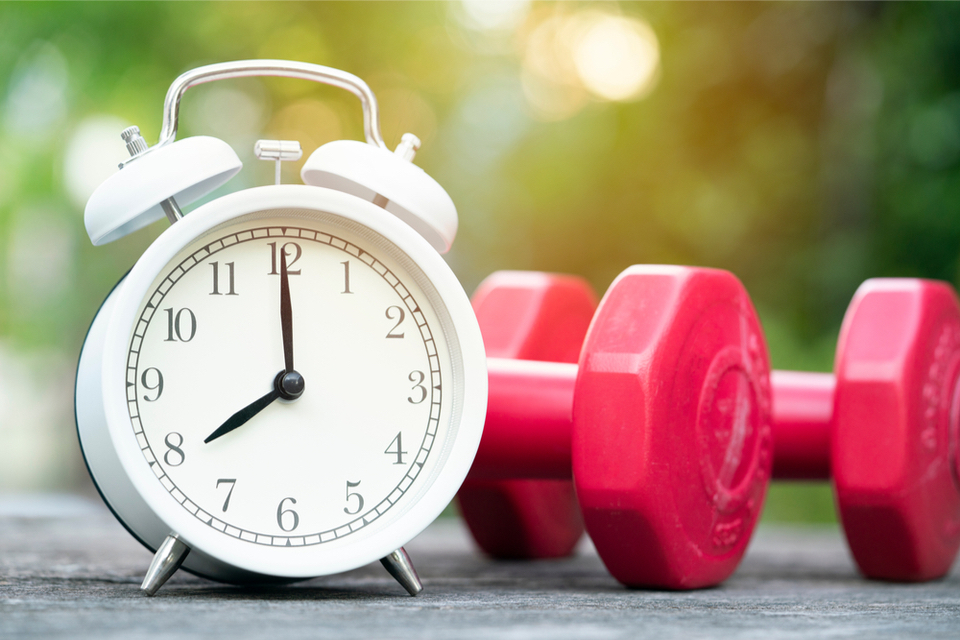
(286, 314)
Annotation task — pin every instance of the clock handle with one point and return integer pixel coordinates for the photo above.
(275, 68)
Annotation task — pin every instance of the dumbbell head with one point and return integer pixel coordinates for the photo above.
(528, 316)
(897, 413)
(672, 445)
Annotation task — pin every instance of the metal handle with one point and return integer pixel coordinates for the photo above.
(278, 68)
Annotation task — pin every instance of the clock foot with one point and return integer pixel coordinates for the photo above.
(399, 565)
(166, 561)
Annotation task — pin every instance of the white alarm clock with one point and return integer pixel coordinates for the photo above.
(290, 382)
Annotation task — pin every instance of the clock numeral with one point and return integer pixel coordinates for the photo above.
(216, 279)
(158, 387)
(417, 378)
(399, 452)
(281, 512)
(346, 277)
(232, 482)
(296, 252)
(174, 456)
(351, 494)
(175, 325)
(391, 316)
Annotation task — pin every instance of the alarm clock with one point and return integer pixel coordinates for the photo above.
(290, 381)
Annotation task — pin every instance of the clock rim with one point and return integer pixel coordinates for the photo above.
(458, 452)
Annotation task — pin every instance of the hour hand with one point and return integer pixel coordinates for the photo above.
(288, 385)
(241, 417)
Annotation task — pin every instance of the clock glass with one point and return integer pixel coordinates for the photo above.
(329, 454)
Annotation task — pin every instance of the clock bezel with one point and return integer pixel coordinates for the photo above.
(461, 331)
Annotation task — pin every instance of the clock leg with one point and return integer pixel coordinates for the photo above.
(166, 561)
(399, 565)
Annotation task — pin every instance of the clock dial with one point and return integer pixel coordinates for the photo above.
(362, 439)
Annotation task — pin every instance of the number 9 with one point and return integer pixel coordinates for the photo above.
(158, 387)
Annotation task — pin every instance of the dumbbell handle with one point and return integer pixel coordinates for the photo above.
(529, 422)
(802, 420)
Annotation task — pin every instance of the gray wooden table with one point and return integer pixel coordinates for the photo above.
(67, 569)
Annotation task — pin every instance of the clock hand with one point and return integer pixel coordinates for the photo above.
(241, 417)
(287, 385)
(286, 314)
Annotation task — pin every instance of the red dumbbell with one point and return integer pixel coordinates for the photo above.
(664, 425)
(528, 316)
(886, 425)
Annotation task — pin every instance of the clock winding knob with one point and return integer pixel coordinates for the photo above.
(135, 142)
(408, 147)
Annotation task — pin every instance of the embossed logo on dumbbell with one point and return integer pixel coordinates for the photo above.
(937, 391)
(728, 423)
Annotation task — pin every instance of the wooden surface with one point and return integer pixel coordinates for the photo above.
(67, 569)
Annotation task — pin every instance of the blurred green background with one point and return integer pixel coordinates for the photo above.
(804, 146)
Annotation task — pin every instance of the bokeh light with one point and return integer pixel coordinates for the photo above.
(617, 58)
(549, 75)
(570, 57)
(36, 94)
(500, 15)
(91, 156)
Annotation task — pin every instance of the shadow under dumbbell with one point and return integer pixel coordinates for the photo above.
(798, 552)
(777, 553)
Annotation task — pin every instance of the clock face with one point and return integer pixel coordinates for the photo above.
(369, 340)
